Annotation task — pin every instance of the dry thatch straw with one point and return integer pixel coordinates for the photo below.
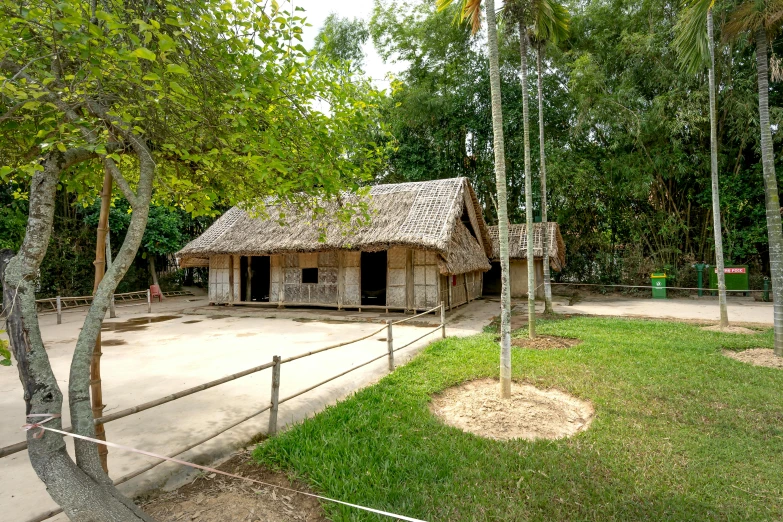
(425, 215)
(517, 243)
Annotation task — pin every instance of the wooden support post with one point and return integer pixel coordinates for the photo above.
(59, 310)
(390, 345)
(149, 302)
(275, 396)
(231, 280)
(442, 320)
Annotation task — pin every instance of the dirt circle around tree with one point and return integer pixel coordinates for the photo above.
(545, 342)
(531, 413)
(730, 329)
(757, 357)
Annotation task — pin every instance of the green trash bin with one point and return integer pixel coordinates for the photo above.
(658, 281)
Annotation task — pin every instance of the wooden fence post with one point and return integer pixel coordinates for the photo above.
(59, 311)
(149, 302)
(275, 396)
(443, 320)
(390, 346)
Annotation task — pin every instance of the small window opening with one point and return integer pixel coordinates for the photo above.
(310, 275)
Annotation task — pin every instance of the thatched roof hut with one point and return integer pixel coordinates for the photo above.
(425, 242)
(426, 215)
(517, 243)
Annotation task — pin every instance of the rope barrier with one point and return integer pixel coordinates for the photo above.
(645, 286)
(417, 315)
(313, 352)
(419, 338)
(39, 425)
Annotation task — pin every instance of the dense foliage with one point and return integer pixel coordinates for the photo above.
(627, 133)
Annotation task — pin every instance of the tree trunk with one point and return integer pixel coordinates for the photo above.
(542, 154)
(531, 262)
(83, 494)
(112, 311)
(502, 203)
(153, 270)
(724, 314)
(96, 388)
(772, 199)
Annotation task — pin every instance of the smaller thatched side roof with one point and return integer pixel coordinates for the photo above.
(517, 243)
(464, 254)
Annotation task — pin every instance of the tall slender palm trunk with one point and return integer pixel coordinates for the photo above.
(542, 154)
(718, 230)
(774, 230)
(500, 184)
(531, 264)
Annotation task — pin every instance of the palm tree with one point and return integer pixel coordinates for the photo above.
(762, 19)
(471, 9)
(551, 22)
(517, 12)
(695, 48)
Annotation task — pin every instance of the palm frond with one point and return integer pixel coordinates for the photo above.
(690, 42)
(551, 22)
(751, 15)
(469, 10)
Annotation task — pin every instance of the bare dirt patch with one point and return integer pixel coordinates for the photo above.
(529, 414)
(757, 357)
(545, 342)
(730, 329)
(216, 498)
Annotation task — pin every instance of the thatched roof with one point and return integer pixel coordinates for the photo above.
(517, 243)
(426, 215)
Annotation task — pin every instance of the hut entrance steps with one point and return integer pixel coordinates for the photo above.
(373, 278)
(255, 274)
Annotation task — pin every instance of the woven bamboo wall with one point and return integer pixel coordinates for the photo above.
(425, 279)
(219, 279)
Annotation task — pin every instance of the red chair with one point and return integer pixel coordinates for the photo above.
(155, 292)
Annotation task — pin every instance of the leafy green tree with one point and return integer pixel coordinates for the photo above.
(341, 40)
(691, 44)
(192, 102)
(762, 20)
(471, 10)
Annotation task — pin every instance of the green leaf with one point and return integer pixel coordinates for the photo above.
(143, 52)
(173, 68)
(151, 77)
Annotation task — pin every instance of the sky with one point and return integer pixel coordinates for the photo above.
(316, 12)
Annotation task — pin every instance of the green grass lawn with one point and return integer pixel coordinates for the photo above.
(681, 433)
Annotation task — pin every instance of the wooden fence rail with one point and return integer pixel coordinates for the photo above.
(272, 407)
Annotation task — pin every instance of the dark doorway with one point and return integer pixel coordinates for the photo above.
(374, 278)
(492, 280)
(254, 275)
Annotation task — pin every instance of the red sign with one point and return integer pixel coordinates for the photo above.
(453, 280)
(737, 270)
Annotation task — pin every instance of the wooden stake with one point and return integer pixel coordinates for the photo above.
(96, 390)
(149, 302)
(59, 311)
(442, 320)
(275, 396)
(390, 345)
